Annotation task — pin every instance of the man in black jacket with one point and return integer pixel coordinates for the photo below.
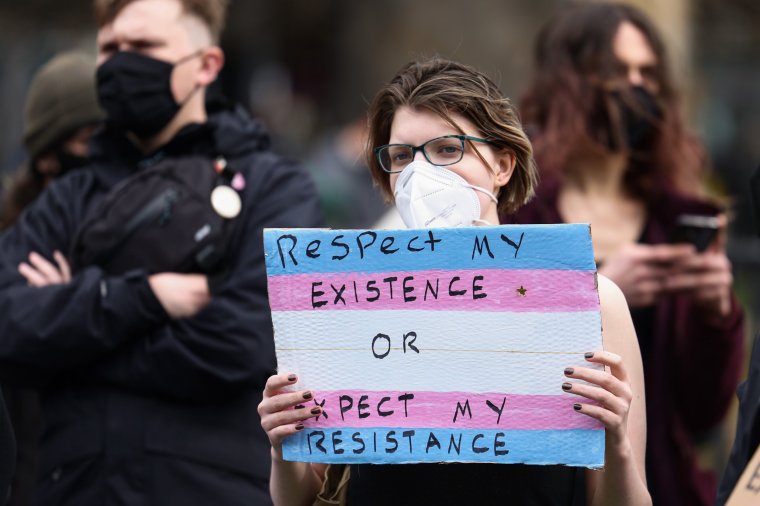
(149, 383)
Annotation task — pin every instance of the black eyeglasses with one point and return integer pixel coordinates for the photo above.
(441, 151)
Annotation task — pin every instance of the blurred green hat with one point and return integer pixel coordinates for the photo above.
(61, 99)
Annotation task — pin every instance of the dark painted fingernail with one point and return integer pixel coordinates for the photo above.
(589, 354)
(577, 407)
(307, 395)
(299, 426)
(291, 377)
(316, 411)
(569, 371)
(567, 386)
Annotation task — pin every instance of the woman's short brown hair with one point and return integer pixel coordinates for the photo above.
(445, 88)
(211, 12)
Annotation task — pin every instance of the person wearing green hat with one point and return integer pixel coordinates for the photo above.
(61, 112)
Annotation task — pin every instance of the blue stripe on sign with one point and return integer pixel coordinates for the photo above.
(576, 447)
(301, 251)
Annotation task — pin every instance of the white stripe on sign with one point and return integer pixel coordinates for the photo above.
(466, 331)
(431, 371)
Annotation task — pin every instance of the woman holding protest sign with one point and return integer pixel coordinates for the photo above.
(448, 148)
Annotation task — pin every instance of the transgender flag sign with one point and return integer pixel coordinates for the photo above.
(437, 345)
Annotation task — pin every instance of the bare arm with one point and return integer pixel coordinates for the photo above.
(295, 483)
(623, 481)
(290, 483)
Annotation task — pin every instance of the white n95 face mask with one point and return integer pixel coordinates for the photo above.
(433, 197)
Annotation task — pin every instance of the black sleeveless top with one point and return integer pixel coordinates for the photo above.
(465, 484)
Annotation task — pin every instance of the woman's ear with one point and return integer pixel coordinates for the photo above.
(212, 61)
(505, 167)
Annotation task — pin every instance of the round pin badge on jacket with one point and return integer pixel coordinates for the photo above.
(226, 201)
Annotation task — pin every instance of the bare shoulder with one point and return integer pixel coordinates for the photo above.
(617, 327)
(610, 294)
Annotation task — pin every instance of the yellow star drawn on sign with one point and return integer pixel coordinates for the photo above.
(522, 291)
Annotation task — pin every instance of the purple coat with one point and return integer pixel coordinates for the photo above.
(692, 370)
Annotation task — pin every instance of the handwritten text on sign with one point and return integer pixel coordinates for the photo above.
(437, 345)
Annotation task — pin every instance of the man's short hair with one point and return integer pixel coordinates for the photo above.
(211, 12)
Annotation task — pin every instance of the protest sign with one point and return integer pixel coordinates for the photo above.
(439, 345)
(747, 489)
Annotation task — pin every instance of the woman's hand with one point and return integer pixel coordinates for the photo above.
(281, 416)
(641, 270)
(707, 279)
(611, 391)
(645, 272)
(277, 418)
(617, 392)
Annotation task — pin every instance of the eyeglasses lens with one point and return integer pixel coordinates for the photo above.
(441, 151)
(444, 151)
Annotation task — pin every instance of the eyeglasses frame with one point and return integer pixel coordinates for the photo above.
(421, 148)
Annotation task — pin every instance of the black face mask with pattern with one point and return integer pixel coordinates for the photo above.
(135, 92)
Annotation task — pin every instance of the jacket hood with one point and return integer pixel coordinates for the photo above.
(236, 134)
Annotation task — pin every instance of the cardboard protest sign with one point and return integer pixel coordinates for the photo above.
(439, 345)
(747, 489)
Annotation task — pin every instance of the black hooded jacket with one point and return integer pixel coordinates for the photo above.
(140, 408)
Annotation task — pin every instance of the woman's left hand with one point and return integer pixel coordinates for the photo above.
(610, 388)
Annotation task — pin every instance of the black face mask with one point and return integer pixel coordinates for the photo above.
(639, 115)
(135, 92)
(68, 162)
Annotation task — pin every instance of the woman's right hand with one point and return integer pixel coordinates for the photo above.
(640, 270)
(277, 418)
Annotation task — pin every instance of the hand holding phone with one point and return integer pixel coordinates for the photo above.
(705, 277)
(640, 270)
(696, 229)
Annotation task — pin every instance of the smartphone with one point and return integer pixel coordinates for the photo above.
(697, 229)
(754, 188)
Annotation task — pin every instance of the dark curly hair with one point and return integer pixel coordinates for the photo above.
(566, 109)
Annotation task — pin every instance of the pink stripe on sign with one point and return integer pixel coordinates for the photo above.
(437, 290)
(360, 408)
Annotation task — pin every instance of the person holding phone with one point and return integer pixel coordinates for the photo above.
(612, 150)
